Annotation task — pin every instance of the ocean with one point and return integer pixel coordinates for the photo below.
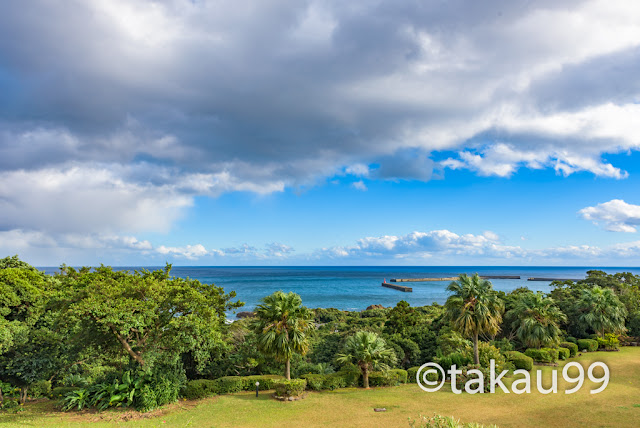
(354, 288)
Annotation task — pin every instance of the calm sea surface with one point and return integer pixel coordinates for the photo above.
(355, 288)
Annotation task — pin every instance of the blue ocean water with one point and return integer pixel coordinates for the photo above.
(355, 288)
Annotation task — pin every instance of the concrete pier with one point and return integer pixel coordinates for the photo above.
(398, 287)
(453, 278)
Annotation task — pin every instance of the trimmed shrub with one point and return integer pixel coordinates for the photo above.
(587, 345)
(413, 371)
(200, 388)
(398, 375)
(318, 382)
(42, 388)
(571, 346)
(519, 360)
(290, 388)
(315, 382)
(543, 355)
(571, 339)
(563, 353)
(351, 376)
(266, 381)
(229, 384)
(60, 391)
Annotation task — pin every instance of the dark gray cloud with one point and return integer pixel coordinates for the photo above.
(210, 97)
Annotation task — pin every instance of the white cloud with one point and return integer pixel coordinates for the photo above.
(615, 215)
(190, 252)
(359, 185)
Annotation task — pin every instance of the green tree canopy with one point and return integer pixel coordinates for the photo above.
(474, 309)
(148, 315)
(601, 311)
(369, 352)
(283, 326)
(536, 319)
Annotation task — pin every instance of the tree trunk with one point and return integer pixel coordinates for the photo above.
(127, 347)
(365, 378)
(476, 355)
(23, 394)
(1, 397)
(287, 369)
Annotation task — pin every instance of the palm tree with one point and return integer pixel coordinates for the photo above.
(601, 310)
(369, 352)
(282, 325)
(536, 319)
(474, 309)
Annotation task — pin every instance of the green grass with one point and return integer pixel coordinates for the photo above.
(616, 406)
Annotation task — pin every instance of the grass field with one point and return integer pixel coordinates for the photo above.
(617, 406)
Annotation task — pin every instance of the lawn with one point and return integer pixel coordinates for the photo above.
(617, 406)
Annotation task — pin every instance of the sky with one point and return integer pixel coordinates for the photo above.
(221, 133)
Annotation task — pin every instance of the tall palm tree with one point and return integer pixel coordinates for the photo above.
(474, 309)
(282, 325)
(601, 310)
(537, 319)
(369, 352)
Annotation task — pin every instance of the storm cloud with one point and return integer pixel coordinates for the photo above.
(122, 106)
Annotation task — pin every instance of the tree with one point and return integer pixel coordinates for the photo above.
(474, 309)
(536, 319)
(601, 311)
(369, 352)
(148, 315)
(283, 327)
(29, 348)
(401, 319)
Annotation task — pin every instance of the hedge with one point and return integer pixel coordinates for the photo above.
(572, 347)
(389, 378)
(202, 388)
(351, 376)
(520, 361)
(588, 345)
(563, 353)
(318, 382)
(290, 388)
(543, 355)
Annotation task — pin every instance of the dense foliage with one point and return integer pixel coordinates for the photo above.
(98, 337)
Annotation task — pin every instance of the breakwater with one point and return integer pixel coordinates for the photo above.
(398, 287)
(454, 278)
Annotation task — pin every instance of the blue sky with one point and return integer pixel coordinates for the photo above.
(319, 133)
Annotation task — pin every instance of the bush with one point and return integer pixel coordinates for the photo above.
(543, 355)
(609, 342)
(563, 353)
(229, 384)
(290, 388)
(572, 340)
(318, 382)
(60, 391)
(399, 375)
(413, 371)
(519, 360)
(486, 353)
(350, 374)
(266, 382)
(457, 358)
(587, 345)
(161, 386)
(200, 388)
(39, 389)
(571, 346)
(503, 344)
